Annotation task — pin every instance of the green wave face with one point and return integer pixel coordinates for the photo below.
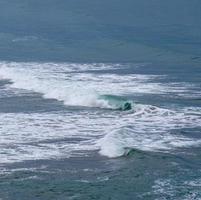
(117, 102)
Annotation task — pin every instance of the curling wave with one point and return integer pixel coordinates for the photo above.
(150, 128)
(71, 92)
(63, 134)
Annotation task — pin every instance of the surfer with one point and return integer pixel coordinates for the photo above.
(127, 106)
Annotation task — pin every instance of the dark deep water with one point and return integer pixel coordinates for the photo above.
(60, 140)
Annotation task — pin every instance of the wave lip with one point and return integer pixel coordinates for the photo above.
(117, 102)
(120, 142)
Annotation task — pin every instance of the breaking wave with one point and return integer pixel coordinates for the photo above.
(54, 85)
(144, 127)
(151, 128)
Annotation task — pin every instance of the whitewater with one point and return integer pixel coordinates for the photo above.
(88, 123)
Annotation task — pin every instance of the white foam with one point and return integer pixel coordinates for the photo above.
(171, 189)
(74, 90)
(45, 136)
(149, 129)
(61, 135)
(66, 82)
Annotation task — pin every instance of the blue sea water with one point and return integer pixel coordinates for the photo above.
(67, 68)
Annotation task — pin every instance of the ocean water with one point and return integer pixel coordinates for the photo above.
(68, 69)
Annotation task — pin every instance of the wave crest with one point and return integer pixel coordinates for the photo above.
(71, 93)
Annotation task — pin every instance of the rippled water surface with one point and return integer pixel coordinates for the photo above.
(100, 100)
(57, 132)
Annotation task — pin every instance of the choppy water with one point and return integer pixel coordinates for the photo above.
(69, 70)
(52, 118)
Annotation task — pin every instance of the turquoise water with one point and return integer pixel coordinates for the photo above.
(68, 70)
